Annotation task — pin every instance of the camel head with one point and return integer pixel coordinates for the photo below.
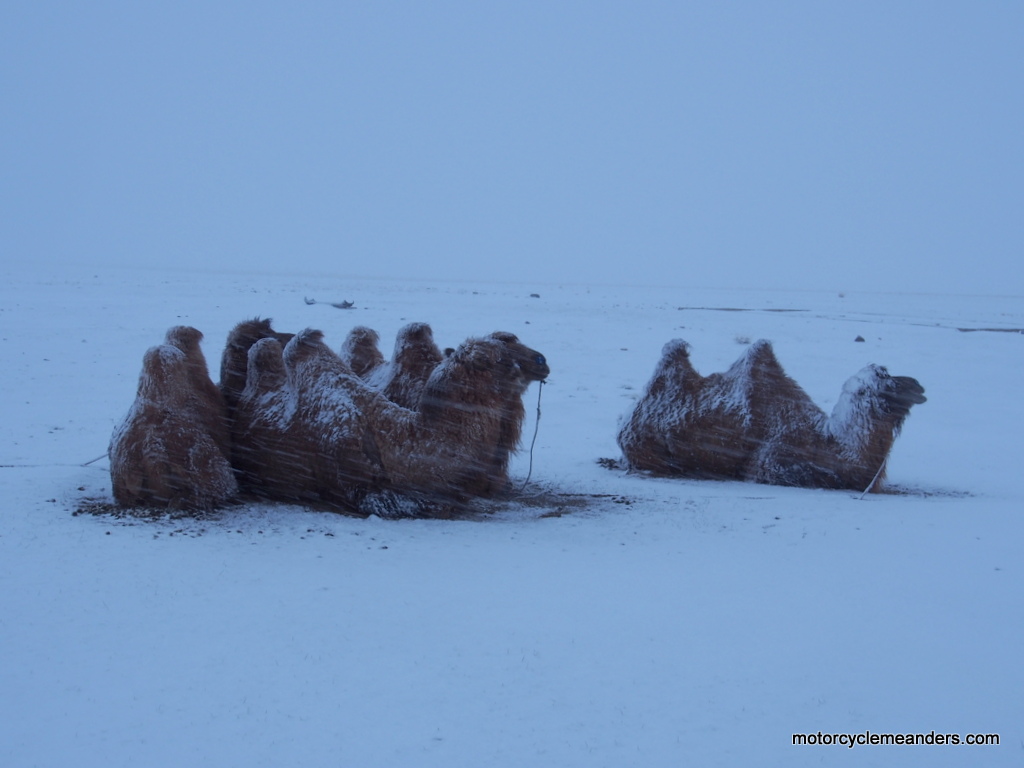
(902, 392)
(477, 373)
(531, 364)
(874, 402)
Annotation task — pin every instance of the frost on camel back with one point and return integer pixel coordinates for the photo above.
(754, 422)
(453, 445)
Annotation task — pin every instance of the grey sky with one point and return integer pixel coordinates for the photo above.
(843, 146)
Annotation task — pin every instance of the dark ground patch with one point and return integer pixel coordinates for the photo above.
(544, 502)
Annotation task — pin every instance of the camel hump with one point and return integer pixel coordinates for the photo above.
(675, 365)
(234, 358)
(761, 352)
(257, 327)
(305, 344)
(184, 337)
(247, 332)
(164, 374)
(362, 334)
(158, 360)
(360, 350)
(416, 337)
(309, 337)
(759, 364)
(266, 350)
(418, 331)
(677, 348)
(265, 365)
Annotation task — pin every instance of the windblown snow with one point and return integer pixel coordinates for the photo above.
(601, 618)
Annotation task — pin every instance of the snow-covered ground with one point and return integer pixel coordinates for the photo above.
(604, 619)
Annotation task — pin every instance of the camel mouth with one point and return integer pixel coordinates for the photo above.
(534, 369)
(909, 390)
(540, 375)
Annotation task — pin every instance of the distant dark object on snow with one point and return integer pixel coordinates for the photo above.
(534, 295)
(755, 423)
(335, 304)
(859, 338)
(991, 330)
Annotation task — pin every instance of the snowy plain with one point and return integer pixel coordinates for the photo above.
(602, 619)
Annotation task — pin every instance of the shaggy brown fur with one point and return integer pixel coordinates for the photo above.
(356, 441)
(270, 458)
(234, 360)
(209, 403)
(754, 422)
(164, 454)
(530, 365)
(416, 356)
(401, 379)
(360, 351)
(300, 433)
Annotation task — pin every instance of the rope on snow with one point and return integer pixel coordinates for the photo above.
(536, 428)
(874, 479)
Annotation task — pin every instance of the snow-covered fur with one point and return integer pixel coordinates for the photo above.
(754, 422)
(209, 401)
(529, 366)
(532, 365)
(267, 458)
(356, 442)
(165, 454)
(234, 360)
(360, 351)
(401, 380)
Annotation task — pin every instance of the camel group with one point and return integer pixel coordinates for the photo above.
(427, 431)
(292, 420)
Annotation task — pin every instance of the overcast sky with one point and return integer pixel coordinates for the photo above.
(834, 145)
